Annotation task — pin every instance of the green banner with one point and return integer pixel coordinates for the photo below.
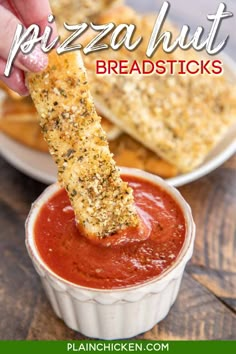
(128, 346)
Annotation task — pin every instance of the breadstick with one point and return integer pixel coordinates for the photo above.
(102, 202)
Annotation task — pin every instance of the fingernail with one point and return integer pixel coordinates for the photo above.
(16, 82)
(23, 91)
(19, 80)
(35, 61)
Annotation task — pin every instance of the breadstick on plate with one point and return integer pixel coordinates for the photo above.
(181, 118)
(102, 202)
(78, 11)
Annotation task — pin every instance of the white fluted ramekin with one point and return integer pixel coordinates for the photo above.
(118, 313)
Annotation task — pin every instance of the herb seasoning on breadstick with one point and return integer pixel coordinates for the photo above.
(102, 202)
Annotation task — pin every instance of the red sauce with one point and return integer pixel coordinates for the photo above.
(107, 264)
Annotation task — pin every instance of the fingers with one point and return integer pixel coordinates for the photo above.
(32, 11)
(9, 23)
(6, 4)
(16, 81)
(35, 61)
(13, 13)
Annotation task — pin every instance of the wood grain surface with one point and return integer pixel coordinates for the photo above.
(206, 305)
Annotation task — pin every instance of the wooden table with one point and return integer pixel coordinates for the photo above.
(206, 305)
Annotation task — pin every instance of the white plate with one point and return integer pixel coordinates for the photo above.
(35, 164)
(41, 167)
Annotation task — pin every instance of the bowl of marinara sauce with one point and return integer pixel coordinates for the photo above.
(122, 285)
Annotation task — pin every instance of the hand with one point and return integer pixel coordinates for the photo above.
(26, 12)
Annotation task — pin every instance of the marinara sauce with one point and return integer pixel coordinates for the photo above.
(107, 263)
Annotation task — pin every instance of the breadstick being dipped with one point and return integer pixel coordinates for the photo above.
(102, 202)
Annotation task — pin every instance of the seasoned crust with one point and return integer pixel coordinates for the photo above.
(180, 118)
(102, 202)
(19, 121)
(78, 11)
